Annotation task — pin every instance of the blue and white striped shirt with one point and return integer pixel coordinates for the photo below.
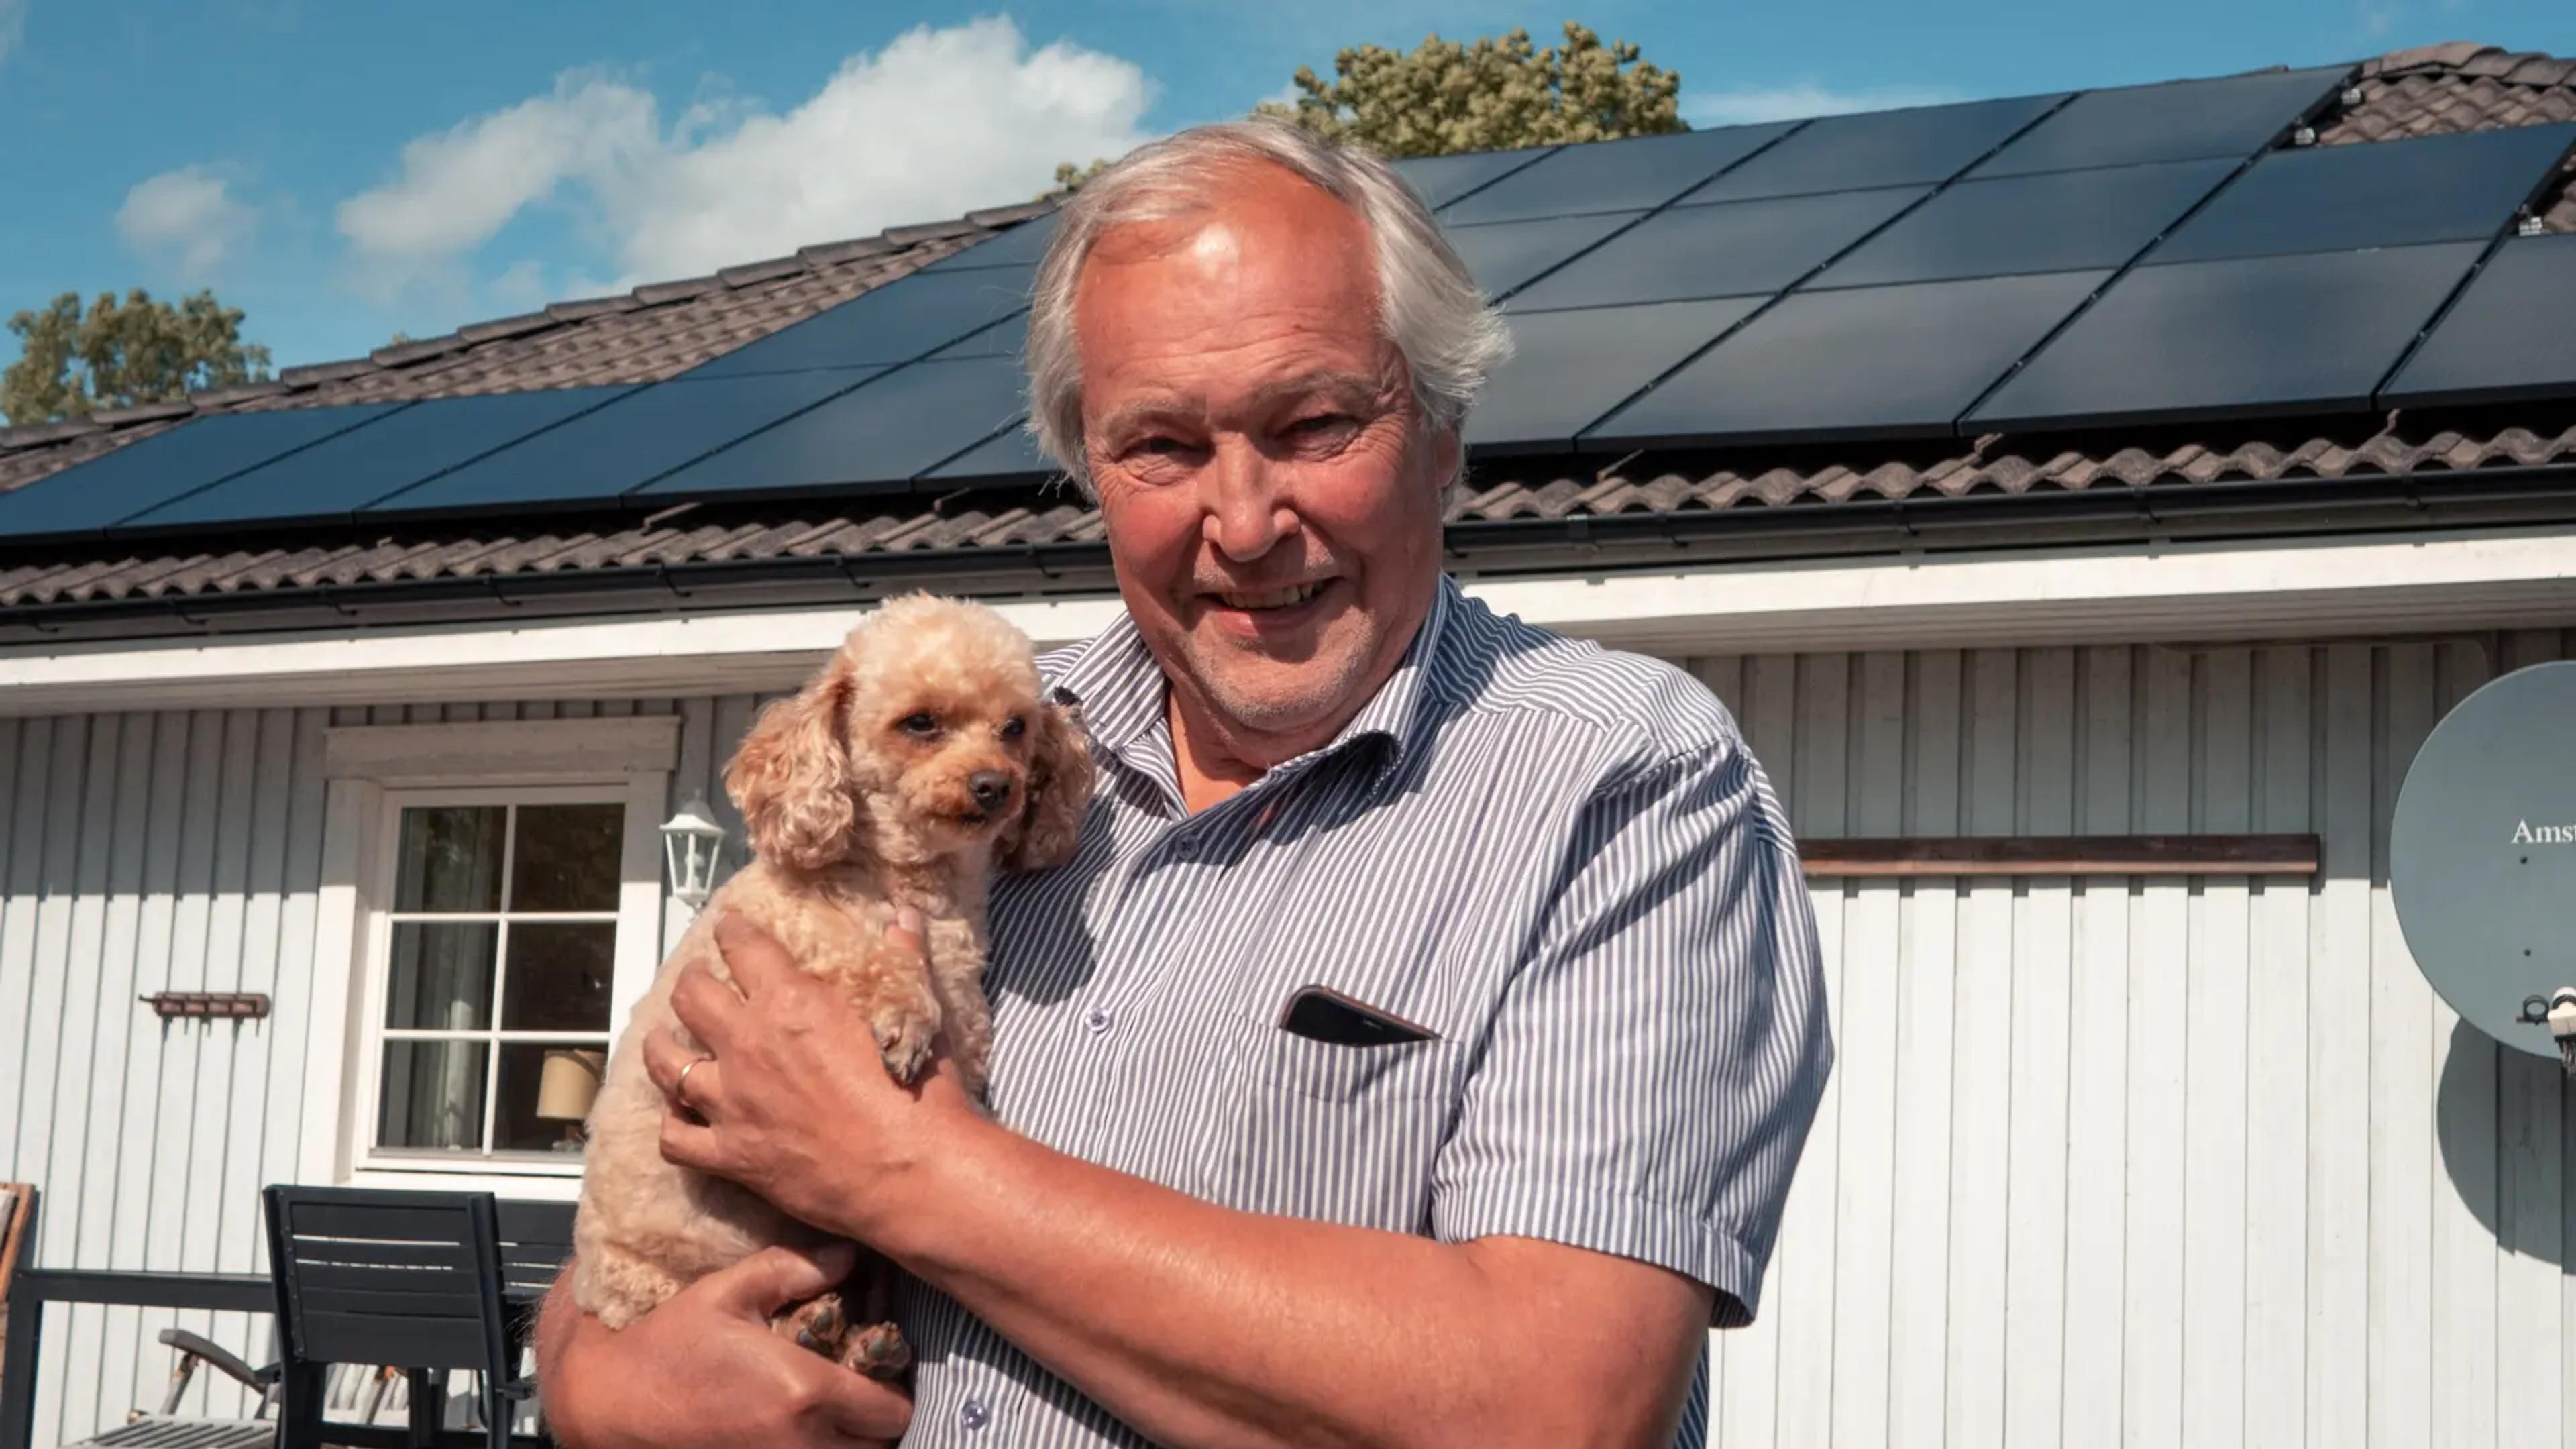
(1560, 859)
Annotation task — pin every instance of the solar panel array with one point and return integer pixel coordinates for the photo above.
(2040, 262)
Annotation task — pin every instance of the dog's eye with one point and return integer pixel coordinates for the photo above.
(918, 724)
(1014, 727)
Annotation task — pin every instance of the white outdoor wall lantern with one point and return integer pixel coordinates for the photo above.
(690, 844)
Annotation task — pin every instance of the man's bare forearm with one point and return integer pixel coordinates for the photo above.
(1199, 1325)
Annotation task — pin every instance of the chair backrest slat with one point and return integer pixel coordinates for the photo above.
(408, 1278)
(536, 1242)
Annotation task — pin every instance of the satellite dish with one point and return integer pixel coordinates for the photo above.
(2482, 859)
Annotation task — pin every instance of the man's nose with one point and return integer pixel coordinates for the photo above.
(1247, 507)
(990, 787)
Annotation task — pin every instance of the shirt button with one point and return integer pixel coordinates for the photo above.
(973, 1414)
(1096, 1020)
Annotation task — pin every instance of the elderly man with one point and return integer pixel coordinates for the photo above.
(1501, 1201)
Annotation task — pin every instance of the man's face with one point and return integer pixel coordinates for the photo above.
(1271, 497)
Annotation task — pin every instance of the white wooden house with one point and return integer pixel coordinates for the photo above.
(2107, 1158)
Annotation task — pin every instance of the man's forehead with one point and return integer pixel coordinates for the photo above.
(1156, 398)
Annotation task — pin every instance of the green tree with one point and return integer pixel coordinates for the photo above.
(1488, 94)
(1069, 177)
(118, 354)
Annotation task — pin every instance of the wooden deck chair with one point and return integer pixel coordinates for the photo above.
(167, 1428)
(17, 1206)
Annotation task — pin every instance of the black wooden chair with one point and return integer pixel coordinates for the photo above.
(406, 1278)
(536, 1242)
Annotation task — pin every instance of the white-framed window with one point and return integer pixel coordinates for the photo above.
(497, 891)
(492, 975)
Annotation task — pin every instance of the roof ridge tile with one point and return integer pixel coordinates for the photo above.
(316, 373)
(32, 435)
(143, 413)
(749, 273)
(404, 354)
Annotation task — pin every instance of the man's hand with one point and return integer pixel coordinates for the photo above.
(704, 1369)
(795, 1103)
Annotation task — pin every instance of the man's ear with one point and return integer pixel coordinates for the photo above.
(791, 777)
(1060, 778)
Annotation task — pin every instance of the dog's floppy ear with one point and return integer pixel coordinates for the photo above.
(1059, 792)
(791, 778)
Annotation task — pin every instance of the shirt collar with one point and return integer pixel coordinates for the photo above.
(1120, 686)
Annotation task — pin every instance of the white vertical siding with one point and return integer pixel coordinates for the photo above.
(142, 852)
(2174, 1163)
(2104, 1163)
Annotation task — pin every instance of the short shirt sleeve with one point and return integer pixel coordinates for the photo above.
(1650, 1075)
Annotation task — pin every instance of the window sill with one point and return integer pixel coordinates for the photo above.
(537, 1181)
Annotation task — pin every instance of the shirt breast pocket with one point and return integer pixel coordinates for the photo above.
(1318, 1130)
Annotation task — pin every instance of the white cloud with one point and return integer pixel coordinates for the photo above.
(186, 219)
(1800, 100)
(522, 287)
(460, 187)
(13, 26)
(940, 122)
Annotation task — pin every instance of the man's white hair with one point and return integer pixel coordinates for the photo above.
(1427, 305)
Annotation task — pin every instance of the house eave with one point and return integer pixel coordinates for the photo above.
(2414, 580)
(2104, 515)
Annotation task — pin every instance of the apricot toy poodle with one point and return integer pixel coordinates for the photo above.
(921, 758)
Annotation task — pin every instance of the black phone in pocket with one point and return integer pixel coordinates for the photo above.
(1319, 1013)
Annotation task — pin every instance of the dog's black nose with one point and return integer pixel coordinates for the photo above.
(991, 787)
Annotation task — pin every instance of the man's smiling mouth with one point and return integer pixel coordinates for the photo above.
(1288, 597)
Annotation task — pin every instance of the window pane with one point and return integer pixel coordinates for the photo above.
(546, 1091)
(433, 1096)
(450, 858)
(558, 976)
(441, 977)
(567, 858)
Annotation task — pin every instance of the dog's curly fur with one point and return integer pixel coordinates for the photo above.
(859, 794)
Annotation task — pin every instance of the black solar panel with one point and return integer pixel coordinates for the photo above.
(2179, 121)
(1504, 257)
(894, 323)
(335, 478)
(2313, 332)
(1884, 148)
(1569, 368)
(1021, 246)
(2061, 221)
(1737, 249)
(1011, 453)
(911, 419)
(1439, 180)
(599, 456)
(1007, 338)
(157, 470)
(2511, 335)
(1632, 175)
(1873, 362)
(2387, 194)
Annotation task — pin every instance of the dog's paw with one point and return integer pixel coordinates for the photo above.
(878, 1350)
(818, 1325)
(904, 1035)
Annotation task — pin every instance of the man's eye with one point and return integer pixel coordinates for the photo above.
(1319, 423)
(1014, 727)
(918, 724)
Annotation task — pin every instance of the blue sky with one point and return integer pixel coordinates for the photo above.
(343, 172)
